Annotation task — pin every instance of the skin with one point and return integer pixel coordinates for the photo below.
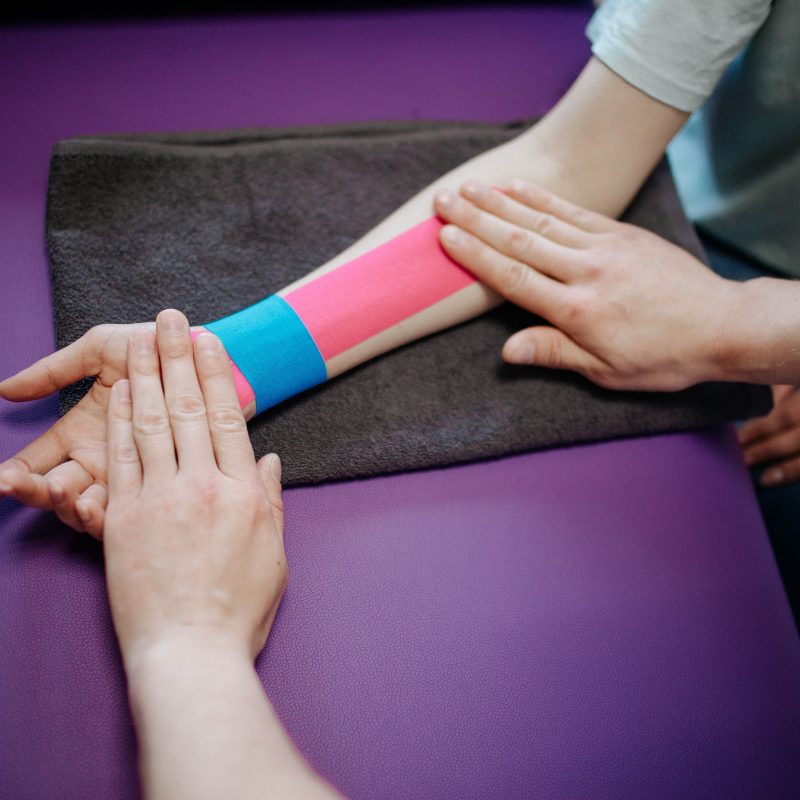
(630, 310)
(196, 569)
(774, 440)
(596, 147)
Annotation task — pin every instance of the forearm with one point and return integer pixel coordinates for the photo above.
(596, 148)
(207, 730)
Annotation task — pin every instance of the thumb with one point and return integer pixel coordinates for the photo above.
(54, 372)
(544, 346)
(269, 470)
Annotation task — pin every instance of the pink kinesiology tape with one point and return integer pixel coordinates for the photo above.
(361, 298)
(379, 289)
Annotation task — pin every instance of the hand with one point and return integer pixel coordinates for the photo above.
(631, 310)
(775, 439)
(194, 527)
(64, 470)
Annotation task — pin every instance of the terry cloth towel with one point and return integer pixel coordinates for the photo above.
(211, 222)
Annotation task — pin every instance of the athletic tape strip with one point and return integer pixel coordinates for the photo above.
(279, 346)
(379, 289)
(273, 349)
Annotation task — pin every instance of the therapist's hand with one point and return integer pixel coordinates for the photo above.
(194, 527)
(773, 441)
(631, 310)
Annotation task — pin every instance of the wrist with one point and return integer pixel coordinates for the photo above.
(760, 342)
(180, 653)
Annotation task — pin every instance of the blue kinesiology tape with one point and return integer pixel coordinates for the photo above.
(273, 349)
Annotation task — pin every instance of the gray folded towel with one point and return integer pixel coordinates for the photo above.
(211, 222)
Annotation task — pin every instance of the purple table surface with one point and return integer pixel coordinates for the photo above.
(602, 621)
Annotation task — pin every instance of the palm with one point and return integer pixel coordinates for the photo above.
(69, 460)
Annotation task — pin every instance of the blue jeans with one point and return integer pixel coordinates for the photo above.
(779, 505)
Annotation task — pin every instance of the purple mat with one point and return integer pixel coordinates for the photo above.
(602, 621)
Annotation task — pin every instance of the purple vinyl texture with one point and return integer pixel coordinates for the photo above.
(603, 621)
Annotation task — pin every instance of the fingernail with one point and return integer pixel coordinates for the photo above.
(5, 488)
(82, 510)
(143, 341)
(451, 234)
(172, 320)
(772, 477)
(122, 389)
(444, 197)
(57, 491)
(207, 344)
(520, 352)
(275, 467)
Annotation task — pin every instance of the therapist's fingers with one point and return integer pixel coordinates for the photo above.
(151, 429)
(519, 244)
(124, 462)
(269, 470)
(231, 442)
(781, 445)
(782, 473)
(523, 215)
(540, 199)
(510, 278)
(185, 404)
(785, 413)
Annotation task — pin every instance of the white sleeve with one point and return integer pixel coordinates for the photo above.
(674, 50)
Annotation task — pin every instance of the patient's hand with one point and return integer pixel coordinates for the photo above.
(67, 464)
(774, 440)
(631, 310)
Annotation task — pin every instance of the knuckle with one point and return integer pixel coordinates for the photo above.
(206, 491)
(578, 310)
(518, 243)
(150, 423)
(126, 454)
(96, 336)
(146, 365)
(552, 351)
(543, 225)
(514, 278)
(276, 503)
(594, 264)
(51, 374)
(581, 216)
(226, 418)
(187, 406)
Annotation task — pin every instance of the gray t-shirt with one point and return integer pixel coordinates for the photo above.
(737, 161)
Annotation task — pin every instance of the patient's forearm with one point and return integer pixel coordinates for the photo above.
(595, 148)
